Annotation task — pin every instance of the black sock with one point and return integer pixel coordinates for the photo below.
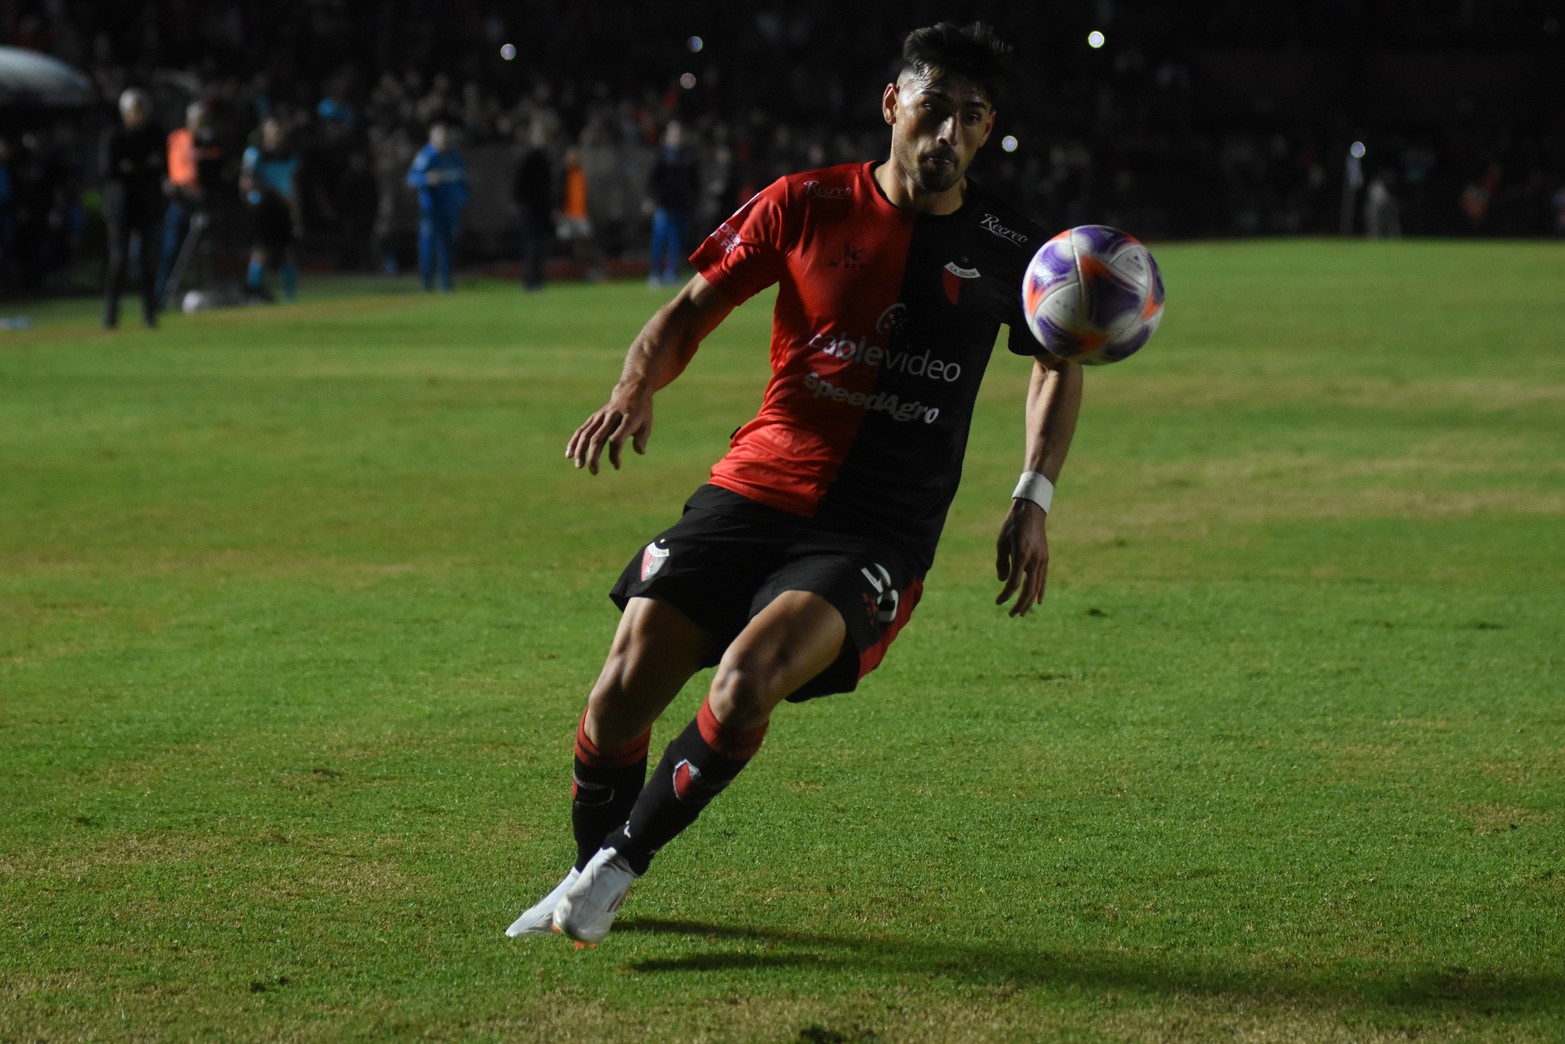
(694, 769)
(604, 788)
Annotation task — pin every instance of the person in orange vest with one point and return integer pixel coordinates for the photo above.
(572, 225)
(187, 148)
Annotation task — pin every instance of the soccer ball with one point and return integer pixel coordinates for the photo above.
(1092, 294)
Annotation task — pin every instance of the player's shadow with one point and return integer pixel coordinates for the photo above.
(1451, 989)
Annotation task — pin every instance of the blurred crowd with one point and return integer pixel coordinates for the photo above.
(1229, 118)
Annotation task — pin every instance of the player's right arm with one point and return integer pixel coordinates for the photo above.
(659, 353)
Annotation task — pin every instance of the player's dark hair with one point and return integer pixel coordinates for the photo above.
(972, 52)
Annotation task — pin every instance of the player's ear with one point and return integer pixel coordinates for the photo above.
(888, 103)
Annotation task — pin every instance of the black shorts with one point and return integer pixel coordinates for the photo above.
(729, 557)
(271, 223)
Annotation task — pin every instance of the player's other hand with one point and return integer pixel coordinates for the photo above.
(610, 426)
(1022, 557)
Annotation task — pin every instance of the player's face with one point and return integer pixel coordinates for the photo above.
(938, 123)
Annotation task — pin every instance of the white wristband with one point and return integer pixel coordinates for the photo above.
(1034, 487)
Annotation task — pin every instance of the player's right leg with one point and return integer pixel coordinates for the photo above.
(655, 651)
(426, 251)
(791, 641)
(114, 268)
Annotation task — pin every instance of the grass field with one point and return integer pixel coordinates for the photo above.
(298, 606)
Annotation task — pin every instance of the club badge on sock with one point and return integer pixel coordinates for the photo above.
(687, 782)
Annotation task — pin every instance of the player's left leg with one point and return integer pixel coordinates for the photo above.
(445, 247)
(289, 273)
(147, 276)
(793, 639)
(118, 258)
(176, 225)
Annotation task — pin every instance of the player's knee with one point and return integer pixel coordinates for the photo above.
(614, 715)
(615, 683)
(742, 693)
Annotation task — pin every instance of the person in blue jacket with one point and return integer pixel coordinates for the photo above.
(440, 175)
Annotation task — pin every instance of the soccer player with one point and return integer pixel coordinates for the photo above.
(133, 168)
(269, 182)
(796, 566)
(440, 175)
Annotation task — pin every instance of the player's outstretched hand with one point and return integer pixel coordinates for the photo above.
(1022, 557)
(611, 425)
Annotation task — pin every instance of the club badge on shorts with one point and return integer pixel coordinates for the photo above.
(652, 560)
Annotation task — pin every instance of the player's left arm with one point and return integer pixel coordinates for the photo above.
(1022, 552)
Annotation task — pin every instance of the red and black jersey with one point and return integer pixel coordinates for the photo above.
(883, 325)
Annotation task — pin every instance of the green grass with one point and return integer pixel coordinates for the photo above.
(298, 606)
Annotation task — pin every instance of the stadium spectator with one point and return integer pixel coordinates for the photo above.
(269, 182)
(440, 176)
(1164, 161)
(391, 148)
(796, 566)
(672, 188)
(1381, 217)
(533, 193)
(359, 210)
(133, 164)
(190, 149)
(574, 223)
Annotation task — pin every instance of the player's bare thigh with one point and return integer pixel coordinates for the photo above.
(656, 649)
(797, 636)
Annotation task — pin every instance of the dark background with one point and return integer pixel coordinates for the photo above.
(1193, 120)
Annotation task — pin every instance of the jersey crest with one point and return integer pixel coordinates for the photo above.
(953, 277)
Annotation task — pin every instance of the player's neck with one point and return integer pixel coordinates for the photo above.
(905, 193)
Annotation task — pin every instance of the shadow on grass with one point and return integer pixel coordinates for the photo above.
(1446, 990)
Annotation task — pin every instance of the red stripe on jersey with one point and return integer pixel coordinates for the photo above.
(837, 250)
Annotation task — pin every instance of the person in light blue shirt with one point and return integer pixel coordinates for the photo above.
(268, 180)
(440, 176)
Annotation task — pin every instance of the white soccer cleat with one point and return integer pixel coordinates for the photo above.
(586, 910)
(539, 920)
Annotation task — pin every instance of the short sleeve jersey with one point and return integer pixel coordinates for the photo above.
(273, 171)
(884, 323)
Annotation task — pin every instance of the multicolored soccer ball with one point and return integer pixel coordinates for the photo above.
(1093, 294)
